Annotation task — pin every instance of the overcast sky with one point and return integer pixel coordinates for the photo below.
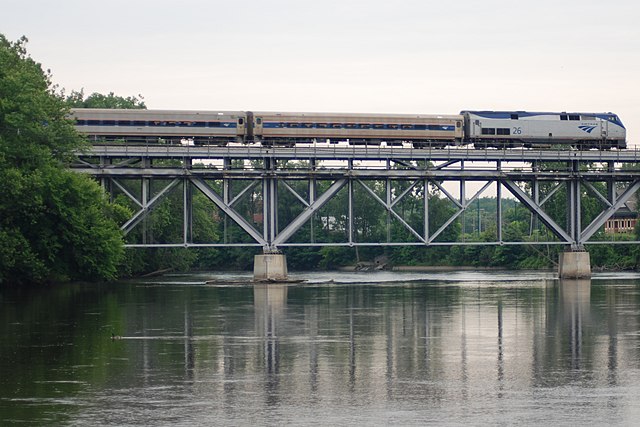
(343, 56)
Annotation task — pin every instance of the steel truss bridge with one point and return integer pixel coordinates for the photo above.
(313, 176)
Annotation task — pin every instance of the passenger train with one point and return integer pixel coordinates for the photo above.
(482, 129)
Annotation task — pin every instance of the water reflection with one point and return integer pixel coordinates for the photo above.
(189, 346)
(270, 301)
(332, 354)
(575, 301)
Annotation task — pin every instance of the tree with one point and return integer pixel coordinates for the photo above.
(54, 223)
(97, 100)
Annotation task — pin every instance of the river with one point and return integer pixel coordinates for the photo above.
(440, 348)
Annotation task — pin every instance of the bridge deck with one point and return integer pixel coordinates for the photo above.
(338, 152)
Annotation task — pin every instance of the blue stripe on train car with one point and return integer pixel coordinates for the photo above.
(350, 126)
(155, 123)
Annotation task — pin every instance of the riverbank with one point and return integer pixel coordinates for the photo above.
(434, 268)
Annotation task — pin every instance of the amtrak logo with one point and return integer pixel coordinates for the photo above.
(587, 129)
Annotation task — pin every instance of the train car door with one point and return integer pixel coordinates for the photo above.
(257, 126)
(241, 126)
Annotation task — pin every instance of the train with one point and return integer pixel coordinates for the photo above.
(480, 129)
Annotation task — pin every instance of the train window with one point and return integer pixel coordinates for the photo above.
(364, 126)
(213, 124)
(407, 126)
(574, 117)
(336, 125)
(458, 124)
(588, 118)
(259, 120)
(394, 126)
(241, 121)
(351, 126)
(420, 127)
(108, 123)
(504, 131)
(293, 125)
(139, 123)
(93, 122)
(488, 131)
(378, 126)
(514, 117)
(563, 117)
(81, 122)
(323, 125)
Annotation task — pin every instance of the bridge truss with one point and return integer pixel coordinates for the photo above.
(329, 185)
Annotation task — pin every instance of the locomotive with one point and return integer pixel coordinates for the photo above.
(482, 129)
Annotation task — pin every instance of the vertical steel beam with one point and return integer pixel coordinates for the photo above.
(499, 201)
(273, 205)
(226, 196)
(350, 213)
(463, 202)
(499, 212)
(312, 196)
(575, 226)
(388, 206)
(611, 184)
(426, 211)
(270, 202)
(185, 211)
(536, 198)
(145, 195)
(265, 201)
(187, 231)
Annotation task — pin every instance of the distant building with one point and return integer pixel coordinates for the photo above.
(623, 221)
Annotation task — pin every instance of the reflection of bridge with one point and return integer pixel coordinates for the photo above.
(261, 179)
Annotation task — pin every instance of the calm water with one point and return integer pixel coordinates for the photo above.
(341, 349)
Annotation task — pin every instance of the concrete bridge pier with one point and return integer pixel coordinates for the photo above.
(270, 267)
(574, 265)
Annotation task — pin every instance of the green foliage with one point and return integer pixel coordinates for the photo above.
(54, 224)
(333, 257)
(77, 99)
